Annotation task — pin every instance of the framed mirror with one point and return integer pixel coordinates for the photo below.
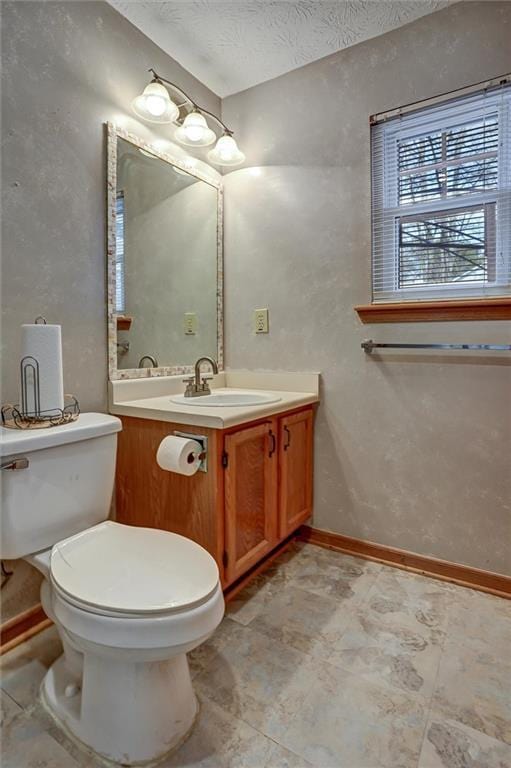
(165, 260)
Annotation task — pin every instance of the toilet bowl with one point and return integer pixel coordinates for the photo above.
(129, 603)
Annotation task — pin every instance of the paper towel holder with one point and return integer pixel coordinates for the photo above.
(19, 417)
(203, 442)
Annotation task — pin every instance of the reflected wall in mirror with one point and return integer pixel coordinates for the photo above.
(165, 261)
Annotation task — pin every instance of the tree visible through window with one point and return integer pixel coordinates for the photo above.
(441, 200)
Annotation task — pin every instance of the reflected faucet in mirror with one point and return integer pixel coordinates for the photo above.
(152, 360)
(197, 386)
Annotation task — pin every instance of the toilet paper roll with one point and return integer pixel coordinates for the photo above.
(44, 342)
(179, 454)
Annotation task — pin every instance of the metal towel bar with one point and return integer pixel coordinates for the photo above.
(368, 345)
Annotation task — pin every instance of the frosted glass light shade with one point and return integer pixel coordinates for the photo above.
(155, 105)
(226, 152)
(195, 132)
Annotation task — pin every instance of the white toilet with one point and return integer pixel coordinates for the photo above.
(128, 602)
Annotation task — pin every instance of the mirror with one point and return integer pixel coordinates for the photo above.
(165, 261)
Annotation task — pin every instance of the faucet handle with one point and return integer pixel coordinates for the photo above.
(190, 386)
(204, 386)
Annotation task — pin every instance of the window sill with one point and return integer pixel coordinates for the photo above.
(436, 311)
(123, 322)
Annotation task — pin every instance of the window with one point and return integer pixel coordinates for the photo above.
(120, 301)
(441, 200)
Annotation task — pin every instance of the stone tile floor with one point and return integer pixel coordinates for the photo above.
(324, 660)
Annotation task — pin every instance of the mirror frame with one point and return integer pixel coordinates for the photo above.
(113, 133)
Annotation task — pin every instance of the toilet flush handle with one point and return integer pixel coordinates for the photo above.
(14, 462)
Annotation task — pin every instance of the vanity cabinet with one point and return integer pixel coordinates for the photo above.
(251, 495)
(256, 492)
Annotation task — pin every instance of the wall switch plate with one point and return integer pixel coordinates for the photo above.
(190, 323)
(261, 323)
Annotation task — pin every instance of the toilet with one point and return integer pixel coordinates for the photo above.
(129, 603)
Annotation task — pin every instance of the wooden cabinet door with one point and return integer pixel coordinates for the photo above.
(250, 496)
(295, 462)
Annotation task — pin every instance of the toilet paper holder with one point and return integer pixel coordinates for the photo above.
(203, 441)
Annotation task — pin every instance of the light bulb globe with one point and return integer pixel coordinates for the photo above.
(155, 104)
(226, 152)
(195, 131)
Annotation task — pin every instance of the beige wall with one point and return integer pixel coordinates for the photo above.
(67, 67)
(412, 450)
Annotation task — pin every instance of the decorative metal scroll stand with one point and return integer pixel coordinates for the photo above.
(29, 415)
(369, 345)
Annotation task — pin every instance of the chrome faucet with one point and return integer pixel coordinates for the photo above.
(195, 386)
(152, 360)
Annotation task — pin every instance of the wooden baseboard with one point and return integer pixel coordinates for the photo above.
(34, 620)
(22, 627)
(464, 575)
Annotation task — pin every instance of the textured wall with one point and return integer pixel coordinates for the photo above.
(67, 68)
(411, 450)
(170, 260)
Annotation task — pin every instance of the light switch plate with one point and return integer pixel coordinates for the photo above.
(190, 323)
(261, 321)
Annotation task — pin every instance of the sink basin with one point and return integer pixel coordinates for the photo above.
(226, 399)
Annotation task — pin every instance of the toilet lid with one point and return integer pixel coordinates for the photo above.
(126, 569)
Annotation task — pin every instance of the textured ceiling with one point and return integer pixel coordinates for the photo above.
(231, 46)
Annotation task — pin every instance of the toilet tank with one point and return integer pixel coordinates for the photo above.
(66, 487)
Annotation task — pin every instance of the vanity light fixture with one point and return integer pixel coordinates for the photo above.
(156, 106)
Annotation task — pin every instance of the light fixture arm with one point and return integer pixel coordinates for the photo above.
(195, 106)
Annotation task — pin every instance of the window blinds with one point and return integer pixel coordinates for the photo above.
(120, 302)
(441, 200)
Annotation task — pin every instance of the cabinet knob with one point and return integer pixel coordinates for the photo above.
(288, 436)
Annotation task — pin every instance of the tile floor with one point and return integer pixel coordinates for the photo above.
(324, 660)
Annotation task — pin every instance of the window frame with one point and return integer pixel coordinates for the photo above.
(387, 214)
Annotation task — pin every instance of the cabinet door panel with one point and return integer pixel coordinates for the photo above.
(295, 460)
(250, 497)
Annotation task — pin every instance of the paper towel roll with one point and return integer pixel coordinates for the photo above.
(179, 454)
(45, 344)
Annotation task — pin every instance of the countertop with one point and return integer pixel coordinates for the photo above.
(147, 400)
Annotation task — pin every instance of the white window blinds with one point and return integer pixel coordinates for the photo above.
(120, 301)
(441, 200)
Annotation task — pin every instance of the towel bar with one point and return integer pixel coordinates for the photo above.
(368, 345)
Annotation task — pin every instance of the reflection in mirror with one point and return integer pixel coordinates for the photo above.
(165, 262)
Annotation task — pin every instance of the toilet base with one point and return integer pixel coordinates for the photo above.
(129, 712)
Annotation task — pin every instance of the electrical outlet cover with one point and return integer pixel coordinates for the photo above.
(190, 323)
(261, 321)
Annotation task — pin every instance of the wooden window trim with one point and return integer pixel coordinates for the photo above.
(436, 311)
(123, 322)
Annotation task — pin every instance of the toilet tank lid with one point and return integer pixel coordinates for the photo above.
(87, 426)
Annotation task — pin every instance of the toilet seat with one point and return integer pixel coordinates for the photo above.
(120, 570)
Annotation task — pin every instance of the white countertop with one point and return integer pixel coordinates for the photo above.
(150, 398)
